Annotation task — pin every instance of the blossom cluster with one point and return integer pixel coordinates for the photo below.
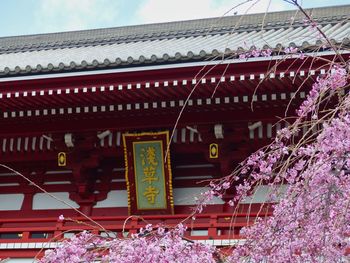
(311, 222)
(336, 78)
(77, 249)
(148, 246)
(257, 52)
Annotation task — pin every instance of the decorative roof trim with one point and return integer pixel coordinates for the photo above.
(156, 67)
(208, 101)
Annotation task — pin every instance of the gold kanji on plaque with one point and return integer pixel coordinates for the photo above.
(151, 194)
(149, 167)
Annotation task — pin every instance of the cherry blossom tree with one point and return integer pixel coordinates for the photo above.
(310, 223)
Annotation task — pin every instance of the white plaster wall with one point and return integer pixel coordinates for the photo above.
(43, 201)
(115, 198)
(262, 193)
(11, 201)
(185, 196)
(182, 196)
(21, 260)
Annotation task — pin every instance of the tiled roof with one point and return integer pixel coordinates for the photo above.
(166, 42)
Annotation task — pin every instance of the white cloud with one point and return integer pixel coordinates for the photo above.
(66, 15)
(153, 11)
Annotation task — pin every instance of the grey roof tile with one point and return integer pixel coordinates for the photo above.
(163, 42)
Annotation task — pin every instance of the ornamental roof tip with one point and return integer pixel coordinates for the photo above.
(168, 42)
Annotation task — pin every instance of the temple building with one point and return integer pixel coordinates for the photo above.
(136, 120)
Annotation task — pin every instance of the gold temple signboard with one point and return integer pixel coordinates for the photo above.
(148, 173)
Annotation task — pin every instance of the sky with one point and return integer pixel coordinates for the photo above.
(23, 17)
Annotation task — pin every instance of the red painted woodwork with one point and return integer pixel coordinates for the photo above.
(219, 226)
(89, 161)
(133, 94)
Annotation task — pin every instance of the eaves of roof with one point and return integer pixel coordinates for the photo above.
(192, 40)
